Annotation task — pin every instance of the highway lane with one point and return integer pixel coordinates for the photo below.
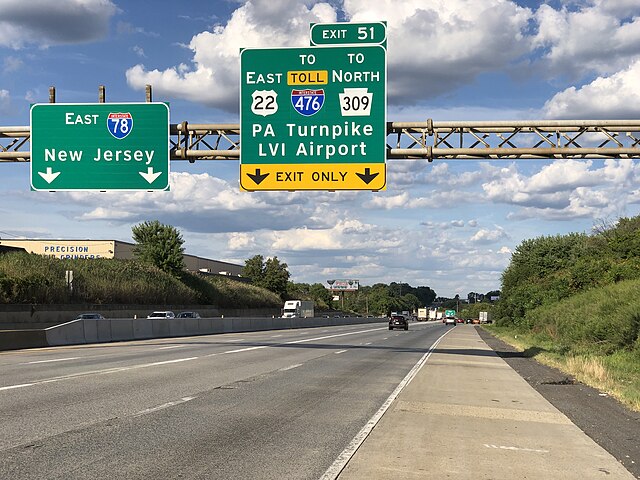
(277, 404)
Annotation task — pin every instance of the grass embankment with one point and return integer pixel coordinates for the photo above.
(30, 278)
(594, 336)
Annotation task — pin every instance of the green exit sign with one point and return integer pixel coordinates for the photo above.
(341, 33)
(313, 118)
(100, 146)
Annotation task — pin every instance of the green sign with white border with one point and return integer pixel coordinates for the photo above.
(342, 33)
(313, 118)
(99, 146)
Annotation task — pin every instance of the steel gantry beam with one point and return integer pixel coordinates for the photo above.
(548, 139)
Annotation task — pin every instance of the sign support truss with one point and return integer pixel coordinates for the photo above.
(459, 140)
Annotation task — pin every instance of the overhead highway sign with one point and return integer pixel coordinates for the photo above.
(100, 146)
(342, 33)
(313, 118)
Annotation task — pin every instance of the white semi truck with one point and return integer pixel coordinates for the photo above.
(298, 309)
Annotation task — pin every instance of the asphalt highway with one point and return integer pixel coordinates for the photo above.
(260, 405)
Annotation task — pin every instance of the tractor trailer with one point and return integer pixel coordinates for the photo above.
(298, 309)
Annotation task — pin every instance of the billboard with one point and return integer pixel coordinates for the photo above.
(343, 285)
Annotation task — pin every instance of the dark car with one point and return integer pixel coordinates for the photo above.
(188, 315)
(90, 316)
(398, 321)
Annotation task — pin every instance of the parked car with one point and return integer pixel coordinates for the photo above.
(90, 316)
(164, 314)
(398, 321)
(188, 315)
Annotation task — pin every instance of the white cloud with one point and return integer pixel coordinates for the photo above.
(567, 189)
(388, 202)
(44, 23)
(456, 35)
(138, 50)
(213, 77)
(599, 36)
(200, 203)
(5, 100)
(486, 236)
(613, 97)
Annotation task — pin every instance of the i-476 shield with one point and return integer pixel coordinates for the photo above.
(307, 102)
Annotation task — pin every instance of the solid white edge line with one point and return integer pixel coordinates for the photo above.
(341, 461)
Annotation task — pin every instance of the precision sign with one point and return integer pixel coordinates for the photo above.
(313, 118)
(100, 146)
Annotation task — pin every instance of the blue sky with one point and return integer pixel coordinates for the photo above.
(449, 225)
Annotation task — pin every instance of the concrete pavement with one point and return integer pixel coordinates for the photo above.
(468, 415)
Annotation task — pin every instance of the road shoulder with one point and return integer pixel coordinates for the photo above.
(468, 415)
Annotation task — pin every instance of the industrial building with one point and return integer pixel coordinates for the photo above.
(90, 249)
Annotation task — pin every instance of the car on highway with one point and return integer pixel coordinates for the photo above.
(459, 320)
(398, 321)
(162, 314)
(450, 321)
(188, 315)
(90, 316)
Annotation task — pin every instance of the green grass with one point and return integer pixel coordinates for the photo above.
(594, 336)
(31, 278)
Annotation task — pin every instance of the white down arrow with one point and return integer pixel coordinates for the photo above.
(49, 176)
(150, 176)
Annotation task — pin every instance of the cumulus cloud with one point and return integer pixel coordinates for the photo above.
(44, 23)
(567, 189)
(486, 236)
(456, 35)
(598, 36)
(201, 203)
(212, 78)
(613, 97)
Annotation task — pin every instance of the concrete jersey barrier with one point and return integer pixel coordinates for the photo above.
(84, 331)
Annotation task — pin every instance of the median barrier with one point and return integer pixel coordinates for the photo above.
(90, 330)
(121, 329)
(70, 333)
(191, 326)
(160, 328)
(104, 330)
(142, 328)
(176, 327)
(16, 339)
